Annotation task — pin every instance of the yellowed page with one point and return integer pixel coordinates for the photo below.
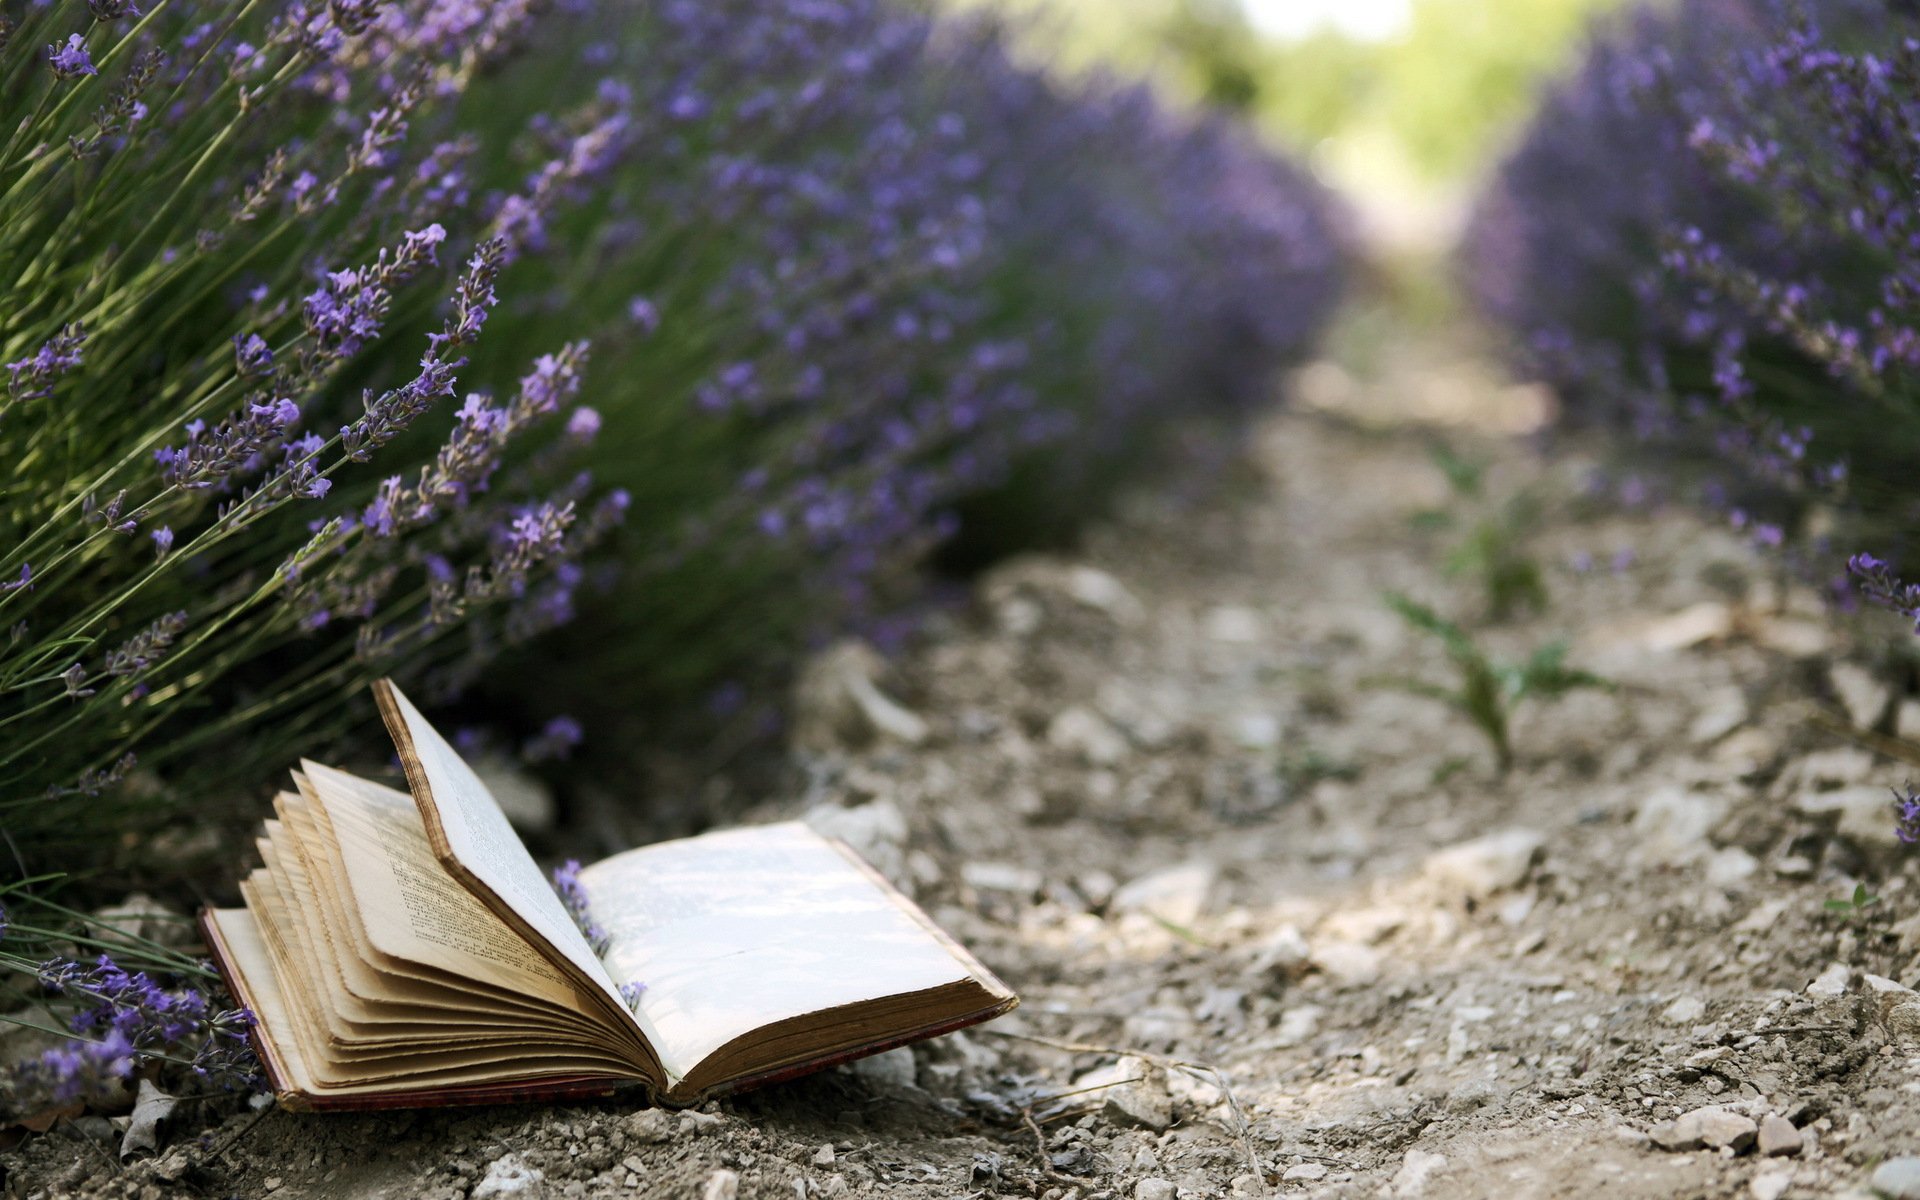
(474, 834)
(737, 930)
(408, 905)
(297, 1065)
(404, 992)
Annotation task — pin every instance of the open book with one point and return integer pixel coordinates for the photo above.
(405, 950)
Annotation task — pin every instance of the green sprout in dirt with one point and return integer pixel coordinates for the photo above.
(1488, 690)
(1493, 551)
(1853, 905)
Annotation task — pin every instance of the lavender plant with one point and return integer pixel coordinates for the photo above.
(393, 336)
(1707, 242)
(118, 1007)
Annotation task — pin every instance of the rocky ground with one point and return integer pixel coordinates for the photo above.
(1278, 925)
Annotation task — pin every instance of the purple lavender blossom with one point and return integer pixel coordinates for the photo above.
(33, 377)
(566, 882)
(1906, 804)
(71, 60)
(557, 740)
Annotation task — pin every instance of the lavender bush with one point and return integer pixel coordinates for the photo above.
(391, 336)
(1707, 242)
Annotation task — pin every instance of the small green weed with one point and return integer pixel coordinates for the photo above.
(1859, 902)
(1488, 690)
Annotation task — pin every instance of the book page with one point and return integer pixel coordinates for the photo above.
(734, 931)
(474, 835)
(409, 906)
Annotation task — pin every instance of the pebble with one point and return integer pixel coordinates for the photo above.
(652, 1125)
(1416, 1171)
(1713, 1127)
(1234, 626)
(1730, 866)
(508, 1176)
(1724, 711)
(721, 1185)
(889, 1069)
(837, 704)
(1154, 1189)
(1897, 1179)
(1352, 964)
(1306, 1172)
(1831, 983)
(1001, 877)
(877, 831)
(1862, 814)
(1485, 865)
(1862, 693)
(1778, 1137)
(1687, 1010)
(1283, 952)
(1083, 732)
(1297, 1025)
(1770, 1185)
(1672, 824)
(1177, 894)
(1132, 1093)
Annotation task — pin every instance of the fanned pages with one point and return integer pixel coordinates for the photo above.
(405, 950)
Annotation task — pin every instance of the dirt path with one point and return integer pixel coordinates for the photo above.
(1167, 798)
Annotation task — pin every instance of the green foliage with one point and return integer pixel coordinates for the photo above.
(1859, 902)
(1487, 690)
(1493, 551)
(1443, 95)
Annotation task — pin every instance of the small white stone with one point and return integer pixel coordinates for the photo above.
(1297, 1025)
(1862, 693)
(1131, 1092)
(1862, 814)
(1723, 711)
(877, 831)
(1416, 1171)
(838, 705)
(1154, 1189)
(1730, 866)
(721, 1185)
(1485, 865)
(1898, 1179)
(1001, 877)
(1234, 625)
(1282, 952)
(888, 1069)
(1770, 1185)
(1352, 964)
(1687, 1010)
(1778, 1137)
(1672, 825)
(507, 1176)
(1177, 894)
(1831, 983)
(1305, 1172)
(1085, 733)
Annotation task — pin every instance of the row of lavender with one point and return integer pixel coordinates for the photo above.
(1709, 242)
(348, 337)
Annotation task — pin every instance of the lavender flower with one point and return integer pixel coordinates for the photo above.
(32, 378)
(566, 882)
(121, 1019)
(71, 59)
(1906, 804)
(557, 740)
